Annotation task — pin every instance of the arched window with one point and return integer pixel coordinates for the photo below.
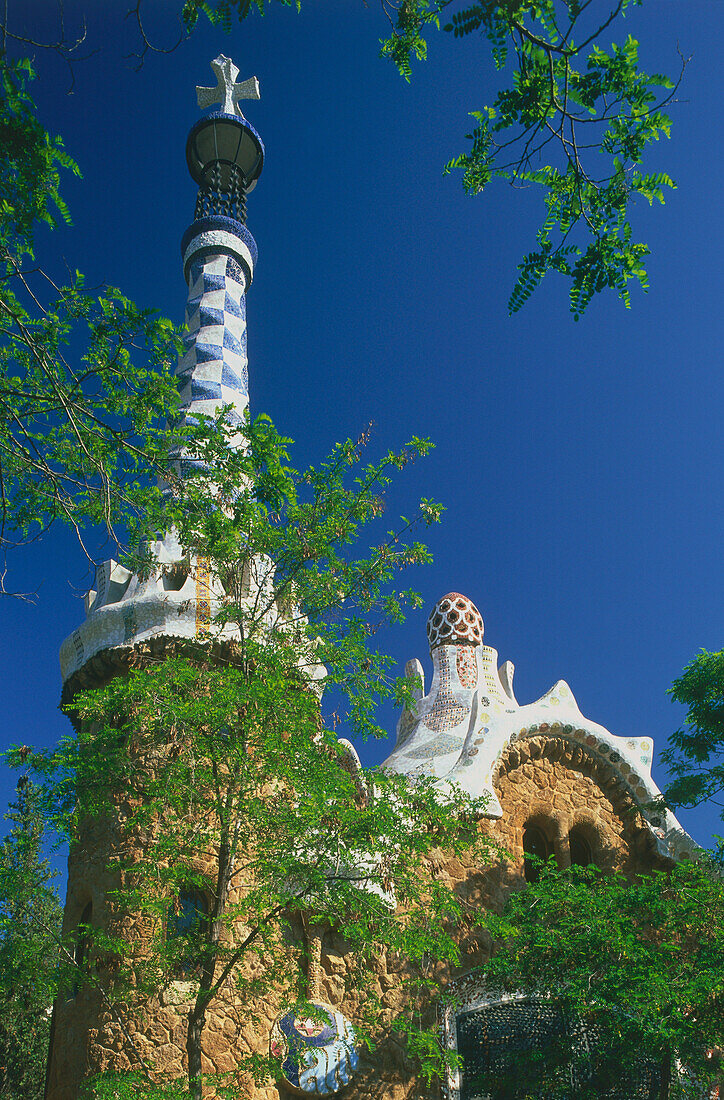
(580, 847)
(82, 946)
(536, 845)
(185, 928)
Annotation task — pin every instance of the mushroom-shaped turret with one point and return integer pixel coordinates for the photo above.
(454, 620)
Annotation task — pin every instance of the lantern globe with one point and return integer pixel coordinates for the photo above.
(220, 143)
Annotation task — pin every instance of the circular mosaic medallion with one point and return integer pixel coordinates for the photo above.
(316, 1049)
(455, 620)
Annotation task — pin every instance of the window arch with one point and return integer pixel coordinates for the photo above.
(536, 846)
(544, 837)
(186, 924)
(580, 847)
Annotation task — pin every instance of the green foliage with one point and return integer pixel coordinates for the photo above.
(133, 1086)
(31, 161)
(694, 755)
(30, 918)
(221, 13)
(594, 109)
(228, 781)
(85, 379)
(304, 523)
(639, 965)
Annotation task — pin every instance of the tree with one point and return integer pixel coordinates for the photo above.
(695, 751)
(636, 970)
(85, 378)
(244, 819)
(30, 917)
(576, 119)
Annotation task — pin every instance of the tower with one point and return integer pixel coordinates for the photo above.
(131, 618)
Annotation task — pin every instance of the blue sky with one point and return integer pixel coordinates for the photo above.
(580, 463)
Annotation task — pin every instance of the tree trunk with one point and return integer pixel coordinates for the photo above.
(665, 1078)
(197, 1015)
(193, 1049)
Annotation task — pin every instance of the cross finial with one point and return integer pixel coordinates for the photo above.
(227, 92)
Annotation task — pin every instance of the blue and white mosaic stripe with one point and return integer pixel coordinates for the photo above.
(213, 371)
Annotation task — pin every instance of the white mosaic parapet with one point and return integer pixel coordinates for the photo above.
(177, 600)
(458, 730)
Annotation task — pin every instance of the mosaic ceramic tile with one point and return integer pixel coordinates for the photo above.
(442, 666)
(317, 1050)
(438, 746)
(203, 595)
(454, 619)
(446, 712)
(213, 370)
(130, 624)
(467, 666)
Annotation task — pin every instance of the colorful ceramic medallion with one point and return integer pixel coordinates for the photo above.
(317, 1050)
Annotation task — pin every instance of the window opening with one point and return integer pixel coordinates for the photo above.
(175, 576)
(535, 846)
(580, 848)
(186, 925)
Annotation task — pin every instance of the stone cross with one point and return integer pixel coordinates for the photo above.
(227, 92)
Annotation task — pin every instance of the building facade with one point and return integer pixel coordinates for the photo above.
(556, 782)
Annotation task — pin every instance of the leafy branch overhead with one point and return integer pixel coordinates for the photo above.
(695, 753)
(86, 382)
(576, 119)
(85, 378)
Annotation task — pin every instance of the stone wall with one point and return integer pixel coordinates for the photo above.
(547, 781)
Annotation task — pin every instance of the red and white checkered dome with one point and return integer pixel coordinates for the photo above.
(455, 620)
